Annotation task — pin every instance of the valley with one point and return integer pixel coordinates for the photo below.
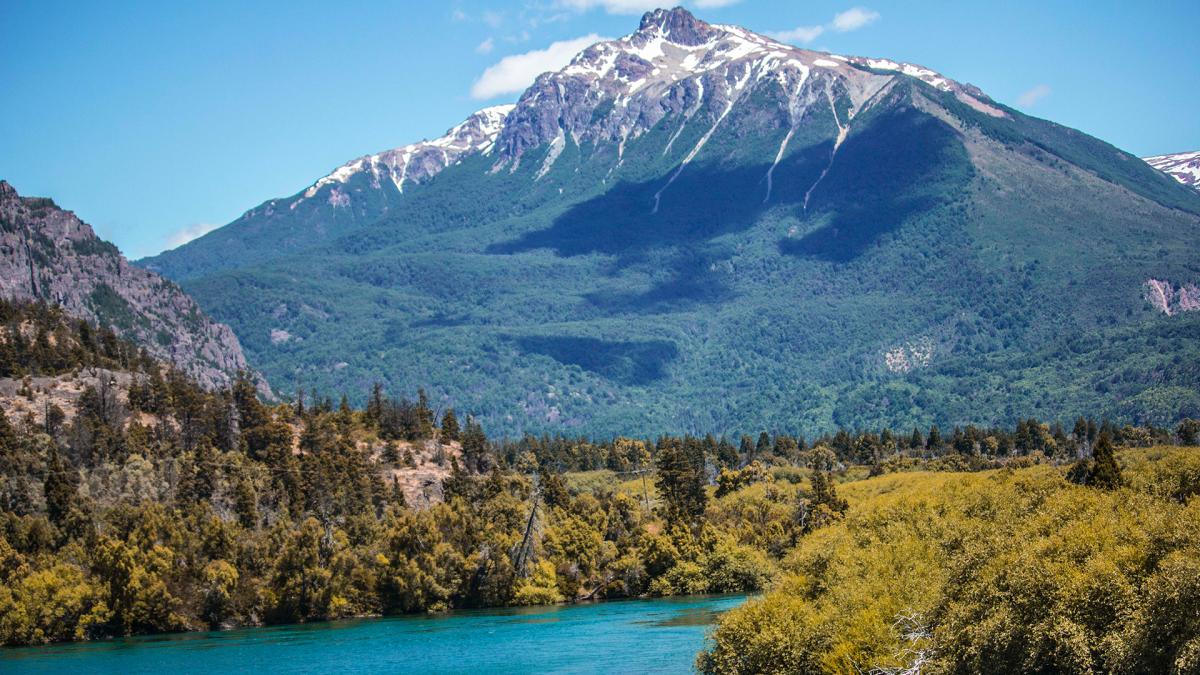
(696, 349)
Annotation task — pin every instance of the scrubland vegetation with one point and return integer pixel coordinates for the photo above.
(1006, 570)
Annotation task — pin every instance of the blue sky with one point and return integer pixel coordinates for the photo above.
(156, 120)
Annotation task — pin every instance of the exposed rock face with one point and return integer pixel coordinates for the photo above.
(677, 24)
(676, 64)
(1166, 298)
(909, 356)
(47, 253)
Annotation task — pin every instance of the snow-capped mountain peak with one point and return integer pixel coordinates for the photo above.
(1182, 166)
(674, 64)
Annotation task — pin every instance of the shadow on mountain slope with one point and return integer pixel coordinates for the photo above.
(904, 163)
(626, 362)
(690, 280)
(702, 203)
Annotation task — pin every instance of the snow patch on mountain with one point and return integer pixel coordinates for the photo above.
(614, 91)
(1183, 166)
(418, 161)
(675, 64)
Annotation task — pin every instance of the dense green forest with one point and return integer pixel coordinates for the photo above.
(148, 504)
(951, 267)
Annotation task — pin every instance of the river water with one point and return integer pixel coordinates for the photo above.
(634, 636)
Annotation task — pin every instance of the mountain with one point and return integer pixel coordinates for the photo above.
(1182, 166)
(360, 191)
(47, 253)
(696, 227)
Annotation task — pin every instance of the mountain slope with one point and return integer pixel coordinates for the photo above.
(695, 225)
(1182, 166)
(48, 254)
(357, 192)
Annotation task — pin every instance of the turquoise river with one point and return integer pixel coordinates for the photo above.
(635, 636)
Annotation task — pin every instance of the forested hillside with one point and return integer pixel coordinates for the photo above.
(696, 228)
(146, 503)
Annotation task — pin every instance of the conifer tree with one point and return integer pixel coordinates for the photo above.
(727, 455)
(60, 490)
(680, 481)
(763, 447)
(246, 504)
(375, 404)
(1188, 431)
(450, 426)
(1105, 473)
(424, 415)
(474, 447)
(746, 450)
(251, 413)
(935, 439)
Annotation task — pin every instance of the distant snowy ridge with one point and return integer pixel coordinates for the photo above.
(1182, 166)
(417, 162)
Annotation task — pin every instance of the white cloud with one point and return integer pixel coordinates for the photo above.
(843, 22)
(459, 15)
(486, 46)
(804, 34)
(853, 19)
(514, 73)
(1031, 97)
(182, 236)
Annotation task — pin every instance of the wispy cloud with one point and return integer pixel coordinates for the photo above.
(843, 22)
(636, 6)
(493, 19)
(804, 34)
(486, 46)
(611, 6)
(853, 19)
(184, 235)
(1030, 98)
(516, 72)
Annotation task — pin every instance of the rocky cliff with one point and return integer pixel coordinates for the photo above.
(48, 253)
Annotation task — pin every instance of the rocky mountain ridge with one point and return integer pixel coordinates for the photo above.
(47, 253)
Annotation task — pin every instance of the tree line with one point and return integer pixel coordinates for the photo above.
(150, 504)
